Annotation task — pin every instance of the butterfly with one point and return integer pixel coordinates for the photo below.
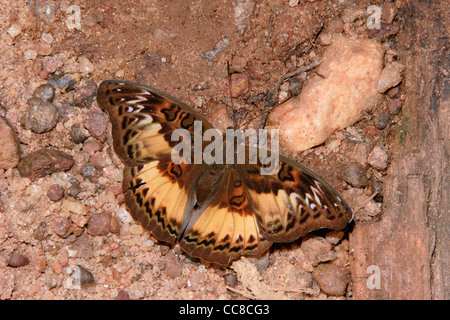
(216, 212)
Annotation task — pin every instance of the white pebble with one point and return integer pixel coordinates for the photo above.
(14, 30)
(47, 37)
(30, 54)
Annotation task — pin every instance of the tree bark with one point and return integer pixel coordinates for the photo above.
(409, 245)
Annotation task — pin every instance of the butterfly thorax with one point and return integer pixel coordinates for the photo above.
(208, 182)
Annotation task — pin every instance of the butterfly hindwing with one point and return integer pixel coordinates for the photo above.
(158, 196)
(226, 228)
(293, 201)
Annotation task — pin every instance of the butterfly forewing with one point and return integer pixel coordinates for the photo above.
(143, 120)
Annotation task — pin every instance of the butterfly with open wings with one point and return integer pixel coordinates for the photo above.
(217, 212)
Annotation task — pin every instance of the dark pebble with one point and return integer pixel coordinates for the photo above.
(55, 192)
(42, 116)
(295, 86)
(377, 186)
(86, 277)
(99, 224)
(88, 171)
(355, 175)
(77, 134)
(61, 227)
(382, 120)
(65, 82)
(40, 232)
(18, 260)
(84, 94)
(45, 92)
(74, 190)
(44, 162)
(231, 279)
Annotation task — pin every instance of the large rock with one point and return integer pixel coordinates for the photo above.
(44, 162)
(348, 85)
(9, 146)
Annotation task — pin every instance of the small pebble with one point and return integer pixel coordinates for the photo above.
(55, 192)
(51, 64)
(136, 291)
(65, 82)
(18, 260)
(40, 232)
(57, 267)
(136, 229)
(61, 227)
(331, 279)
(40, 265)
(74, 206)
(44, 49)
(42, 116)
(99, 224)
(92, 145)
(77, 133)
(173, 269)
(231, 279)
(395, 106)
(255, 70)
(84, 94)
(74, 190)
(14, 30)
(30, 54)
(385, 31)
(44, 92)
(79, 220)
(295, 86)
(86, 277)
(114, 226)
(85, 66)
(122, 295)
(88, 171)
(83, 247)
(47, 37)
(355, 175)
(378, 158)
(382, 120)
(9, 146)
(390, 77)
(96, 124)
(219, 47)
(316, 249)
